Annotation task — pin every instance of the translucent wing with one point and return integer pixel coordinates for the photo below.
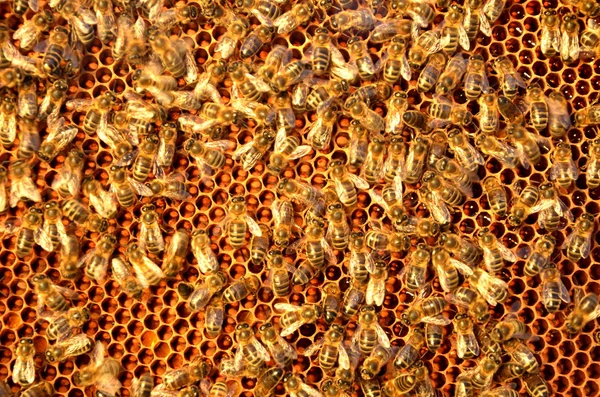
(437, 320)
(542, 205)
(463, 39)
(24, 369)
(262, 352)
(506, 253)
(359, 182)
(467, 345)
(375, 291)
(148, 269)
(382, 337)
(300, 151)
(43, 239)
(463, 268)
(344, 360)
(484, 25)
(286, 307)
(24, 188)
(253, 226)
(313, 348)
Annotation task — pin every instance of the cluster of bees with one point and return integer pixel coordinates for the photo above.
(418, 166)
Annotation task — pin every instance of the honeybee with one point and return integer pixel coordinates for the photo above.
(22, 186)
(587, 116)
(526, 205)
(30, 232)
(81, 215)
(324, 54)
(321, 130)
(125, 188)
(563, 169)
(510, 80)
(426, 44)
(149, 78)
(442, 190)
(206, 87)
(199, 297)
(59, 136)
(251, 152)
(368, 118)
(493, 251)
(469, 299)
(346, 183)
(569, 41)
(415, 160)
(331, 349)
(105, 203)
(97, 109)
(323, 94)
(23, 372)
(483, 373)
(509, 371)
(447, 269)
(331, 302)
(249, 349)
(30, 138)
(434, 334)
(123, 274)
(551, 36)
(353, 298)
(259, 245)
(359, 143)
(475, 19)
(172, 186)
(499, 150)
(175, 256)
(362, 20)
(97, 259)
(74, 346)
(102, 373)
(69, 257)
(249, 86)
(237, 221)
(142, 386)
(56, 50)
(181, 14)
(527, 144)
(453, 30)
(360, 257)
(147, 272)
(182, 377)
(281, 351)
(81, 18)
(559, 121)
(240, 289)
(476, 82)
(30, 32)
(425, 310)
(452, 75)
(510, 328)
(376, 287)
(411, 351)
(130, 39)
(540, 256)
(215, 316)
(286, 149)
(370, 388)
(589, 38)
(521, 354)
(496, 196)
(551, 208)
(395, 62)
(390, 29)
(372, 169)
(174, 54)
(369, 333)
(592, 171)
(401, 384)
(511, 113)
(299, 191)
(383, 240)
(578, 243)
(488, 112)
(8, 120)
(587, 308)
(267, 381)
(338, 231)
(295, 387)
(466, 342)
(431, 72)
(493, 289)
(300, 14)
(318, 252)
(536, 386)
(415, 273)
(294, 317)
(283, 216)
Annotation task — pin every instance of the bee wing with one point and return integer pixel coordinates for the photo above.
(24, 369)
(108, 383)
(300, 151)
(26, 33)
(24, 188)
(359, 182)
(314, 129)
(347, 71)
(463, 38)
(312, 349)
(569, 46)
(149, 268)
(561, 208)
(506, 253)
(444, 282)
(437, 320)
(466, 344)
(484, 25)
(382, 336)
(289, 350)
(344, 360)
(262, 352)
(557, 110)
(542, 205)
(78, 105)
(463, 268)
(42, 238)
(291, 328)
(286, 307)
(98, 354)
(253, 226)
(260, 84)
(285, 23)
(139, 188)
(241, 150)
(309, 391)
(375, 292)
(223, 144)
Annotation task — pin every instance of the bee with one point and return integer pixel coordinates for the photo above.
(80, 18)
(411, 351)
(181, 14)
(346, 183)
(30, 138)
(175, 256)
(318, 252)
(177, 379)
(496, 196)
(150, 79)
(466, 342)
(586, 309)
(390, 29)
(444, 112)
(142, 386)
(96, 109)
(396, 62)
(563, 169)
(579, 242)
(249, 349)
(338, 231)
(376, 287)
(125, 188)
(493, 251)
(587, 116)
(493, 289)
(540, 256)
(174, 54)
(353, 299)
(476, 82)
(331, 349)
(123, 274)
(267, 381)
(536, 386)
(569, 39)
(510, 111)
(22, 186)
(551, 208)
(362, 20)
(59, 136)
(321, 130)
(81, 215)
(251, 152)
(382, 240)
(417, 120)
(146, 159)
(427, 310)
(427, 43)
(172, 186)
(294, 317)
(282, 352)
(106, 19)
(101, 373)
(510, 80)
(286, 149)
(368, 118)
(453, 30)
(421, 13)
(69, 254)
(131, 40)
(369, 333)
(483, 373)
(324, 94)
(331, 302)
(415, 160)
(147, 272)
(589, 38)
(433, 336)
(215, 316)
(251, 87)
(396, 109)
(559, 120)
(324, 54)
(299, 191)
(240, 289)
(551, 36)
(509, 371)
(68, 180)
(206, 87)
(259, 245)
(510, 328)
(377, 359)
(415, 274)
(300, 14)
(97, 259)
(8, 120)
(401, 384)
(199, 297)
(295, 387)
(237, 222)
(283, 215)
(421, 227)
(489, 119)
(447, 269)
(105, 203)
(497, 149)
(476, 20)
(359, 142)
(431, 72)
(592, 171)
(452, 75)
(360, 258)
(526, 205)
(370, 388)
(372, 169)
(442, 190)
(30, 232)
(23, 372)
(20, 7)
(27, 96)
(522, 355)
(74, 346)
(206, 258)
(451, 170)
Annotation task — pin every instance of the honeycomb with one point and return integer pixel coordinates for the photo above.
(159, 332)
